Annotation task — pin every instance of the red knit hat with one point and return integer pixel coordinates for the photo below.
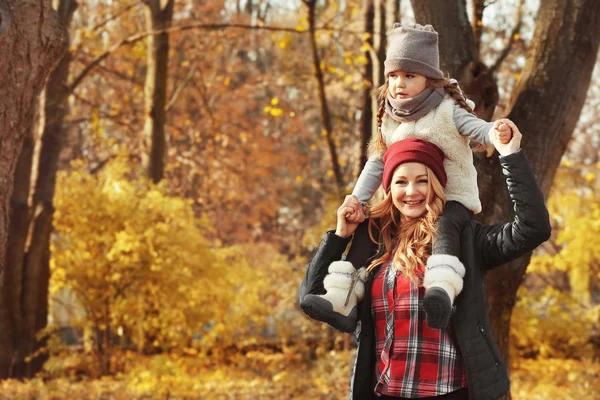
(413, 150)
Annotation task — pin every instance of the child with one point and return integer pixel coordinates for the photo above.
(417, 101)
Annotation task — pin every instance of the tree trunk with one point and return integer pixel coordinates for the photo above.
(155, 90)
(393, 13)
(366, 120)
(29, 235)
(36, 268)
(11, 287)
(325, 114)
(31, 39)
(382, 27)
(477, 23)
(375, 26)
(552, 89)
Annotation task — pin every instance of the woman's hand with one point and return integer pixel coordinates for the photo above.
(515, 142)
(349, 215)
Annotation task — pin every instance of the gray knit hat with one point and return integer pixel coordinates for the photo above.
(413, 48)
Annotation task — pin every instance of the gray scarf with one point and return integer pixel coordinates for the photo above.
(406, 110)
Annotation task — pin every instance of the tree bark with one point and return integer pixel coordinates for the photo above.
(393, 13)
(12, 289)
(11, 313)
(155, 90)
(477, 23)
(29, 235)
(376, 27)
(36, 269)
(381, 29)
(324, 107)
(32, 39)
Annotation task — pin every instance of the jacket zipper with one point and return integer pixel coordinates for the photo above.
(461, 345)
(487, 340)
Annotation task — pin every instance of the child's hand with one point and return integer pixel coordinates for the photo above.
(358, 213)
(349, 215)
(513, 145)
(502, 130)
(352, 204)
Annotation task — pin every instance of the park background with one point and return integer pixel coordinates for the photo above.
(168, 168)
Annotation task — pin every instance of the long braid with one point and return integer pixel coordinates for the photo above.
(380, 113)
(377, 145)
(451, 87)
(458, 96)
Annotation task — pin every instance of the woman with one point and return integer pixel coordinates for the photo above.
(399, 355)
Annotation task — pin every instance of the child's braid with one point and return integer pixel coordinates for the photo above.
(457, 95)
(380, 113)
(377, 145)
(451, 87)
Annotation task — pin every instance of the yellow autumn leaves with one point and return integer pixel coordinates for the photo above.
(134, 257)
(558, 300)
(273, 109)
(137, 261)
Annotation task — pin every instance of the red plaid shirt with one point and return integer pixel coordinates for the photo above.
(417, 361)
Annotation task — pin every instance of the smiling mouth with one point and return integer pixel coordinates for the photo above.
(413, 202)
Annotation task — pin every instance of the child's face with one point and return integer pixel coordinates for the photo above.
(404, 85)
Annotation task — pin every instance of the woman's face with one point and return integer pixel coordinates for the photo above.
(409, 189)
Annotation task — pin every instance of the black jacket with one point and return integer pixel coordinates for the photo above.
(482, 247)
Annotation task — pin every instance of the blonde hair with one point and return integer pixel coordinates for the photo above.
(407, 240)
(377, 145)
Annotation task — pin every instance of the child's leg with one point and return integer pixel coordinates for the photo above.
(444, 273)
(345, 286)
(345, 289)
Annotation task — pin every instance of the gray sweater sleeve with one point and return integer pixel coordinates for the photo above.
(369, 180)
(472, 127)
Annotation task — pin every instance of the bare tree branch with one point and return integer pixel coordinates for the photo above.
(101, 24)
(94, 170)
(327, 129)
(117, 118)
(180, 88)
(203, 90)
(120, 75)
(140, 36)
(114, 17)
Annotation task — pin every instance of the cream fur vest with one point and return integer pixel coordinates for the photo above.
(437, 127)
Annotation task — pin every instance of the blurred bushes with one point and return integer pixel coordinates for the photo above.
(137, 262)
